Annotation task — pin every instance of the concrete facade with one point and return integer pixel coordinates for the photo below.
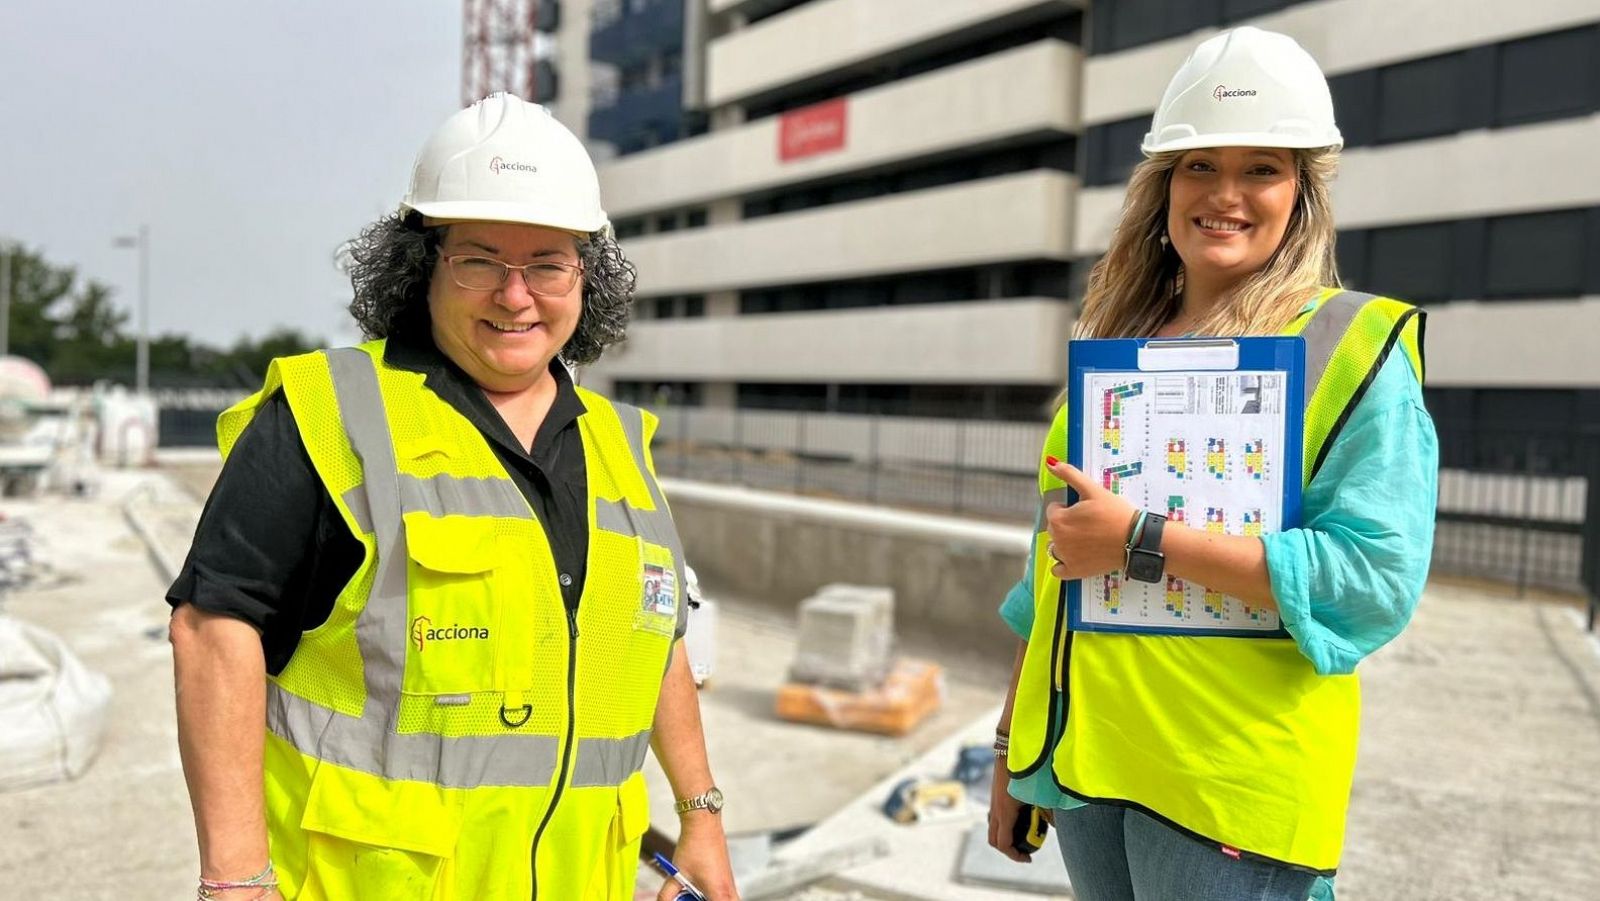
(970, 150)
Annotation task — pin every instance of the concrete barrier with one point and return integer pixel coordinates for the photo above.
(949, 575)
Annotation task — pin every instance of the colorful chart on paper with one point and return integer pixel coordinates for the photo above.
(1204, 448)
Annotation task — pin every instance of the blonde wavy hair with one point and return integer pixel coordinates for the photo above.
(1137, 287)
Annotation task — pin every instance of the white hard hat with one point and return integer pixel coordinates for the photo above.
(1245, 88)
(504, 159)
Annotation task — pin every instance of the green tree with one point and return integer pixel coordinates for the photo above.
(72, 329)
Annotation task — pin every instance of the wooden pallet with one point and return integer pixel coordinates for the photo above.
(913, 690)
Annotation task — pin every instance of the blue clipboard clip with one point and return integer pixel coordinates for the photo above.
(1162, 375)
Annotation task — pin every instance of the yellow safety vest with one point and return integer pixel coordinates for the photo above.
(1234, 741)
(452, 731)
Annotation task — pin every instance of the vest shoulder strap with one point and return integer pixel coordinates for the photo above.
(1349, 336)
(289, 374)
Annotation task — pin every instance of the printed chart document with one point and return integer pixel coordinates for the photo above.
(1206, 449)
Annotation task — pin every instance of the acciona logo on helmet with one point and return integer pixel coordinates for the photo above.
(423, 631)
(1223, 93)
(499, 165)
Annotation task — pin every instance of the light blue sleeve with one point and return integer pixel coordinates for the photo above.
(1348, 581)
(1017, 608)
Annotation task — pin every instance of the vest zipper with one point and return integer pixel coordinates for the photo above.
(566, 753)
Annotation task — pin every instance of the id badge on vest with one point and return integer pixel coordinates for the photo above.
(659, 588)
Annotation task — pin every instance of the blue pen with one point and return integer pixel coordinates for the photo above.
(689, 890)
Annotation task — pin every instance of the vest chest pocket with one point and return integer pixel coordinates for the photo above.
(458, 584)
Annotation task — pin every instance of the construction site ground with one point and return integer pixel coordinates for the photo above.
(1479, 775)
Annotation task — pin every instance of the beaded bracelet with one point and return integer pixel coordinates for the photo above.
(266, 879)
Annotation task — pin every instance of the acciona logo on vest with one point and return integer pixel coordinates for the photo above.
(423, 631)
(1223, 93)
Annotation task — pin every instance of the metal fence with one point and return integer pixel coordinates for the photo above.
(1521, 506)
(1517, 507)
(1514, 506)
(968, 467)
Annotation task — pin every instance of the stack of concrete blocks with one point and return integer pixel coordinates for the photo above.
(843, 674)
(846, 636)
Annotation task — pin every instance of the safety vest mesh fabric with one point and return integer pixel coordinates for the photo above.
(1234, 741)
(419, 741)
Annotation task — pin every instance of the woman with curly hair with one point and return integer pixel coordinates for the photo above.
(430, 621)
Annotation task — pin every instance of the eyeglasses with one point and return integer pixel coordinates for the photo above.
(487, 274)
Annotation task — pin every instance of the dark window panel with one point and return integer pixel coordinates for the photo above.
(1542, 77)
(1475, 95)
(1410, 261)
(1420, 98)
(1591, 274)
(697, 218)
(1351, 250)
(1536, 255)
(1113, 150)
(694, 306)
(1468, 239)
(1234, 10)
(1131, 23)
(1355, 106)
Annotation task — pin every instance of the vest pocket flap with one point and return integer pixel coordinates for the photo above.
(633, 807)
(410, 816)
(451, 544)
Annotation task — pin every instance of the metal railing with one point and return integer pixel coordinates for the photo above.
(1522, 506)
(1514, 506)
(1517, 507)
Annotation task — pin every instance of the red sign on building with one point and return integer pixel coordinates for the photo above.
(812, 130)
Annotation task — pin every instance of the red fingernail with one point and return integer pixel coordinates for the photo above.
(1051, 461)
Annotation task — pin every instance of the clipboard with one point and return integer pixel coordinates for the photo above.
(1208, 431)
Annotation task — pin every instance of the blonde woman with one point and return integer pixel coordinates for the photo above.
(1209, 768)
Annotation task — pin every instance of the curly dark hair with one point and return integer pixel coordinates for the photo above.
(391, 262)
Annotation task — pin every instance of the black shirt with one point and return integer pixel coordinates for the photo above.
(271, 548)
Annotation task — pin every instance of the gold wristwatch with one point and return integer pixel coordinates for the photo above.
(710, 800)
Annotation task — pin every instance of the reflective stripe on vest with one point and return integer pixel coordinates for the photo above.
(1268, 770)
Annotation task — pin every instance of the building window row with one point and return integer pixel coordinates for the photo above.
(993, 402)
(657, 223)
(1058, 154)
(672, 306)
(1500, 85)
(659, 394)
(1124, 24)
(1550, 254)
(1033, 279)
(1065, 26)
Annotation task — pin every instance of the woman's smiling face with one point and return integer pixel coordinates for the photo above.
(504, 338)
(1228, 209)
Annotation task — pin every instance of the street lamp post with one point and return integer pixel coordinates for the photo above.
(5, 298)
(141, 366)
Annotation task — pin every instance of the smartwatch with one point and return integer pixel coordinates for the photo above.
(1145, 562)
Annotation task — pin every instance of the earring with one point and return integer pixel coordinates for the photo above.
(1164, 240)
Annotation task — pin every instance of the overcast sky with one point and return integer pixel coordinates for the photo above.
(252, 137)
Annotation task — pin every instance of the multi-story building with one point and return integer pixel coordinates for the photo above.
(879, 218)
(894, 205)
(896, 201)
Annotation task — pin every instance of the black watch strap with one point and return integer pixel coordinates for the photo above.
(1150, 537)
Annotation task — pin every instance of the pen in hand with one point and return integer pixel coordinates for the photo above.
(689, 889)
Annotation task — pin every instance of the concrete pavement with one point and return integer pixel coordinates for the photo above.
(1479, 775)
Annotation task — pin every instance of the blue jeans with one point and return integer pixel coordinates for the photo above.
(1113, 854)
